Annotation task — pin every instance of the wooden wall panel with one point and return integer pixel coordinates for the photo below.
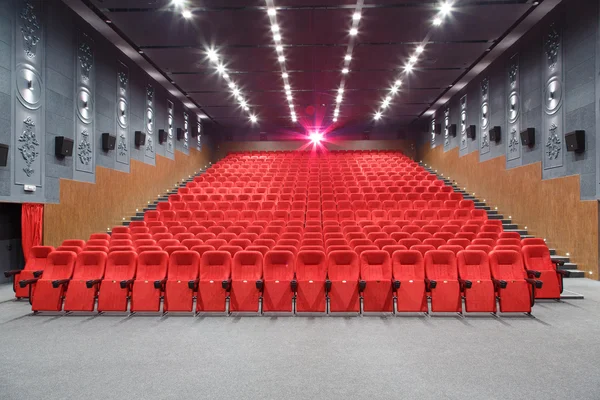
(86, 208)
(550, 209)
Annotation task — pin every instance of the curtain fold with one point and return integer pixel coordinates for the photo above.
(32, 219)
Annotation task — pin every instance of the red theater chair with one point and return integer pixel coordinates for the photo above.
(215, 273)
(539, 265)
(87, 276)
(376, 281)
(51, 286)
(311, 273)
(343, 270)
(476, 281)
(118, 278)
(516, 291)
(408, 270)
(246, 281)
(279, 283)
(182, 281)
(149, 281)
(36, 263)
(442, 281)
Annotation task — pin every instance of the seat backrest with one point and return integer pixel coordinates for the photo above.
(483, 247)
(532, 241)
(473, 265)
(507, 265)
(375, 265)
(152, 265)
(261, 249)
(59, 265)
(121, 265)
(90, 265)
(311, 265)
(38, 255)
(74, 243)
(279, 265)
(230, 249)
(452, 247)
(184, 265)
(343, 265)
(537, 257)
(408, 265)
(441, 265)
(247, 265)
(215, 265)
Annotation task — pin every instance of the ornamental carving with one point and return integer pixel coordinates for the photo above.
(29, 147)
(512, 74)
(149, 144)
(485, 140)
(553, 144)
(122, 146)
(513, 143)
(86, 60)
(485, 86)
(552, 46)
(123, 79)
(150, 93)
(84, 149)
(30, 29)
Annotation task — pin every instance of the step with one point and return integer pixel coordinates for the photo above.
(139, 214)
(125, 223)
(492, 212)
(521, 232)
(575, 273)
(495, 216)
(487, 208)
(568, 266)
(509, 226)
(480, 204)
(163, 198)
(150, 207)
(505, 221)
(468, 198)
(136, 218)
(564, 259)
(527, 236)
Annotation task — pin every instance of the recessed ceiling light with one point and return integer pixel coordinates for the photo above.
(294, 118)
(291, 106)
(384, 104)
(275, 28)
(226, 75)
(348, 57)
(287, 88)
(377, 115)
(394, 90)
(356, 16)
(413, 59)
(221, 68)
(345, 71)
(334, 119)
(243, 103)
(231, 85)
(437, 21)
(279, 48)
(341, 90)
(212, 55)
(108, 21)
(289, 97)
(339, 98)
(285, 75)
(388, 99)
(281, 59)
(353, 32)
(271, 11)
(277, 37)
(253, 118)
(398, 83)
(187, 14)
(419, 49)
(236, 91)
(446, 8)
(408, 67)
(246, 108)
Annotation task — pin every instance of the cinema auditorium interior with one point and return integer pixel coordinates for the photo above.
(298, 199)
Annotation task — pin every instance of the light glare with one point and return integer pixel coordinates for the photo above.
(277, 37)
(253, 118)
(275, 28)
(212, 55)
(348, 57)
(446, 8)
(419, 49)
(187, 14)
(345, 71)
(437, 21)
(353, 32)
(356, 16)
(377, 115)
(271, 12)
(285, 75)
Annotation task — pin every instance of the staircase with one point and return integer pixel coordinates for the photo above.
(508, 224)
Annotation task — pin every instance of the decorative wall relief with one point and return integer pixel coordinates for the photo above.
(553, 110)
(485, 115)
(170, 126)
(199, 137)
(432, 133)
(513, 150)
(463, 122)
(186, 130)
(122, 114)
(29, 145)
(84, 105)
(446, 126)
(149, 120)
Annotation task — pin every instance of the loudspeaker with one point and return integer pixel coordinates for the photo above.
(495, 134)
(471, 131)
(528, 137)
(575, 141)
(108, 141)
(162, 136)
(63, 147)
(437, 129)
(452, 130)
(180, 133)
(3, 155)
(140, 138)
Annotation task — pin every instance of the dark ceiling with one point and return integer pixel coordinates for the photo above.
(315, 37)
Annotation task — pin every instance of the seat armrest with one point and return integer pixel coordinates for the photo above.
(468, 284)
(126, 283)
(432, 284)
(26, 282)
(12, 272)
(396, 285)
(499, 283)
(362, 285)
(193, 284)
(226, 284)
(58, 282)
(160, 284)
(89, 284)
(537, 284)
(535, 274)
(37, 274)
(259, 285)
(294, 285)
(327, 285)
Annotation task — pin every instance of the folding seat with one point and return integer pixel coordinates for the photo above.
(421, 235)
(412, 214)
(312, 242)
(464, 235)
(81, 243)
(167, 242)
(232, 215)
(277, 229)
(248, 215)
(264, 242)
(174, 230)
(373, 205)
(246, 281)
(442, 196)
(474, 229)
(532, 241)
(442, 280)
(231, 249)
(540, 266)
(479, 214)
(381, 242)
(151, 215)
(508, 242)
(103, 236)
(435, 242)
(216, 229)
(279, 284)
(408, 272)
(466, 204)
(359, 242)
(422, 248)
(374, 235)
(379, 215)
(453, 248)
(183, 236)
(361, 248)
(432, 229)
(214, 281)
(134, 231)
(163, 206)
(118, 242)
(395, 215)
(288, 242)
(34, 267)
(491, 229)
(139, 242)
(343, 270)
(376, 281)
(189, 243)
(204, 236)
(488, 235)
(216, 243)
(96, 242)
(486, 241)
(516, 291)
(311, 273)
(450, 204)
(411, 229)
(481, 247)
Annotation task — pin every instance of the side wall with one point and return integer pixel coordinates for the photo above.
(551, 208)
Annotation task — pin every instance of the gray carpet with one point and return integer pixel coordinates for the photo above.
(554, 356)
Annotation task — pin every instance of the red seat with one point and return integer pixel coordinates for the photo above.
(278, 273)
(311, 272)
(34, 267)
(118, 277)
(51, 286)
(476, 281)
(149, 281)
(215, 273)
(246, 281)
(442, 279)
(87, 276)
(182, 281)
(408, 270)
(452, 247)
(539, 265)
(376, 280)
(78, 243)
(343, 270)
(516, 292)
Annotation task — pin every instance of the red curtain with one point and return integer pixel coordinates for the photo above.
(32, 219)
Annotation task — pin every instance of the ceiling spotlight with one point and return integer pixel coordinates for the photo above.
(398, 83)
(356, 16)
(419, 49)
(437, 21)
(353, 32)
(231, 85)
(289, 97)
(385, 104)
(281, 59)
(240, 98)
(178, 2)
(408, 67)
(221, 68)
(334, 119)
(253, 118)
(243, 103)
(236, 92)
(277, 37)
(279, 48)
(413, 59)
(316, 137)
(212, 55)
(246, 108)
(388, 99)
(294, 118)
(275, 28)
(187, 14)
(348, 57)
(377, 115)
(336, 112)
(225, 75)
(446, 8)
(284, 75)
(287, 88)
(345, 71)
(291, 106)
(339, 98)
(341, 90)
(394, 90)
(271, 11)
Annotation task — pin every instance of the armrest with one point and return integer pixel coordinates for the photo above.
(432, 284)
(226, 284)
(26, 282)
(327, 286)
(537, 284)
(259, 285)
(499, 283)
(37, 274)
(563, 272)
(294, 285)
(534, 273)
(12, 272)
(193, 284)
(396, 285)
(159, 284)
(126, 283)
(89, 284)
(466, 283)
(58, 282)
(362, 285)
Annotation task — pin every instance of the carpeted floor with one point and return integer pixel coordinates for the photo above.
(553, 356)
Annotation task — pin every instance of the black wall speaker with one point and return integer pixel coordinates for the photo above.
(3, 155)
(437, 129)
(575, 141)
(162, 136)
(108, 141)
(528, 137)
(63, 147)
(452, 130)
(495, 134)
(180, 133)
(140, 138)
(471, 131)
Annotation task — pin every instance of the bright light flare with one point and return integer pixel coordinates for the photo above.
(316, 137)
